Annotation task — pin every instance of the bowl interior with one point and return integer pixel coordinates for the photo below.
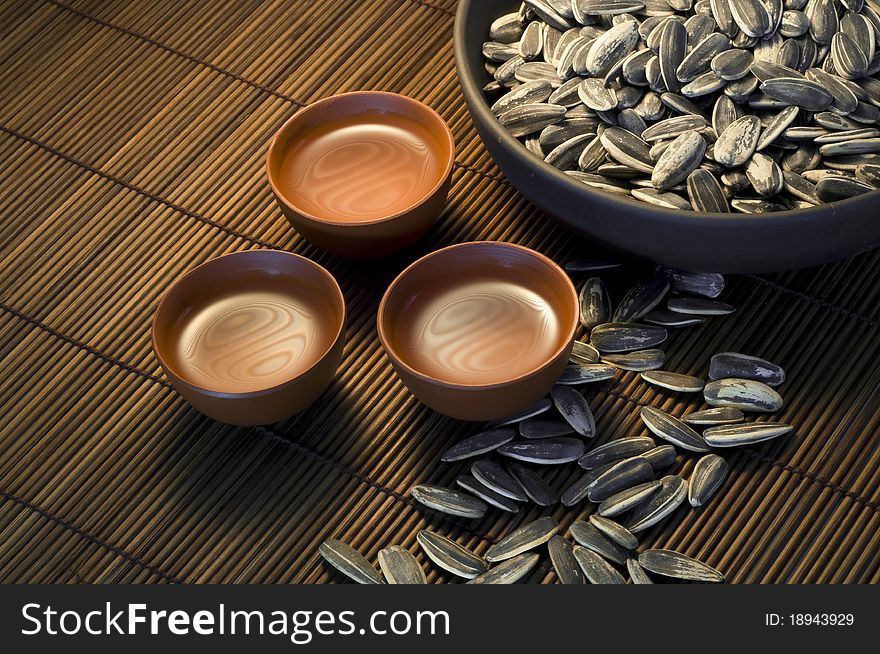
(478, 314)
(360, 157)
(248, 322)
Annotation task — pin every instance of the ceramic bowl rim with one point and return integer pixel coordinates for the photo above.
(570, 332)
(201, 390)
(278, 140)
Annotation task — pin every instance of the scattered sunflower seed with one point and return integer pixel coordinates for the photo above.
(744, 394)
(704, 284)
(699, 306)
(533, 485)
(637, 361)
(523, 539)
(541, 427)
(596, 569)
(620, 476)
(541, 406)
(400, 567)
(678, 566)
(576, 375)
(492, 475)
(595, 303)
(564, 563)
(450, 556)
(547, 451)
(671, 495)
(660, 457)
(673, 430)
(674, 381)
(743, 366)
(448, 500)
(584, 353)
(621, 448)
(509, 571)
(349, 562)
(625, 337)
(717, 416)
(637, 572)
(473, 485)
(666, 318)
(616, 532)
(573, 406)
(745, 434)
(481, 443)
(627, 499)
(641, 299)
(587, 535)
(709, 473)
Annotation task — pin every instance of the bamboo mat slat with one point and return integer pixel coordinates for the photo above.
(133, 136)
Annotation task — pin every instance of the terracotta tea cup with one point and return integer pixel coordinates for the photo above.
(362, 174)
(479, 331)
(253, 337)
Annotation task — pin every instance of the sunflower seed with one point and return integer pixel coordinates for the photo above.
(709, 473)
(740, 90)
(587, 535)
(678, 566)
(627, 499)
(607, 7)
(745, 434)
(854, 146)
(699, 306)
(705, 193)
(578, 490)
(448, 500)
(698, 60)
(743, 366)
(349, 562)
(596, 569)
(751, 17)
(671, 495)
(564, 563)
(577, 375)
(400, 567)
(799, 92)
(485, 441)
(674, 381)
(637, 361)
(533, 485)
(541, 406)
(737, 143)
(536, 428)
(533, 71)
(611, 47)
(529, 118)
(594, 302)
(506, 29)
(616, 532)
(848, 135)
(697, 283)
(732, 64)
(523, 539)
(869, 174)
(672, 127)
(777, 126)
(615, 450)
(584, 353)
(547, 451)
(627, 148)
(506, 72)
(764, 174)
(717, 416)
(845, 101)
(637, 573)
(620, 476)
(641, 298)
(473, 485)
(667, 318)
(745, 394)
(596, 95)
(532, 41)
(493, 476)
(625, 337)
(529, 93)
(823, 20)
(672, 49)
(499, 52)
(509, 571)
(450, 556)
(671, 429)
(545, 11)
(849, 60)
(660, 457)
(794, 23)
(566, 155)
(767, 70)
(573, 406)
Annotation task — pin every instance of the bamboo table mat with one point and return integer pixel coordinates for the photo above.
(132, 136)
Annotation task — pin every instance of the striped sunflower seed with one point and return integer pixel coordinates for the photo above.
(767, 70)
(577, 375)
(823, 20)
(564, 564)
(700, 306)
(499, 52)
(587, 535)
(532, 41)
(594, 303)
(400, 567)
(732, 64)
(849, 60)
(532, 71)
(794, 23)
(673, 381)
(745, 434)
(478, 444)
(609, 49)
(670, 496)
(641, 298)
(853, 146)
(349, 562)
(578, 490)
(743, 366)
(541, 406)
(606, 7)
(673, 430)
(616, 532)
(775, 128)
(845, 101)
(547, 451)
(566, 155)
(627, 148)
(529, 118)
(627, 499)
(705, 193)
(506, 29)
(584, 353)
(671, 53)
(704, 84)
(612, 451)
(596, 95)
(637, 361)
(546, 12)
(709, 473)
(448, 500)
(666, 318)
(529, 93)
(450, 556)
(625, 337)
(718, 416)
(492, 475)
(682, 105)
(620, 476)
(567, 94)
(678, 566)
(660, 457)
(637, 573)
(596, 569)
(737, 143)
(744, 394)
(869, 174)
(721, 12)
(848, 135)
(673, 127)
(798, 92)
(509, 571)
(698, 60)
(697, 283)
(574, 408)
(751, 17)
(533, 485)
(474, 486)
(523, 539)
(506, 72)
(756, 206)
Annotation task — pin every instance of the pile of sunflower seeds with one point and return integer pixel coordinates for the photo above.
(621, 477)
(597, 545)
(711, 105)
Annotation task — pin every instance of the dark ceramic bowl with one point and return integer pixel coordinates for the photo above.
(683, 239)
